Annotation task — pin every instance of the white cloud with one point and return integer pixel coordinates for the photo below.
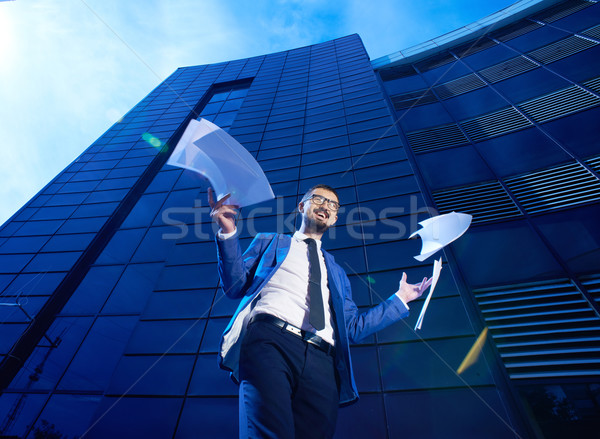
(68, 73)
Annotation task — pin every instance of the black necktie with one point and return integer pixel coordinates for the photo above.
(316, 315)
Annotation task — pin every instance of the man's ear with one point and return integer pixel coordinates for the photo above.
(334, 220)
(301, 207)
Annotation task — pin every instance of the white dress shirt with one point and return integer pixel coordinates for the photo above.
(286, 294)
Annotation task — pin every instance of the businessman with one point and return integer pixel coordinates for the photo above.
(287, 344)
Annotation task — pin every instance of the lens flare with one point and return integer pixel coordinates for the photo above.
(154, 141)
(474, 352)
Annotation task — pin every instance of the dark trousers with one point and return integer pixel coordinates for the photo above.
(288, 387)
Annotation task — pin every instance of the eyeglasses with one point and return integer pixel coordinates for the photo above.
(319, 200)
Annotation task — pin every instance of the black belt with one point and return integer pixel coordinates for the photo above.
(307, 336)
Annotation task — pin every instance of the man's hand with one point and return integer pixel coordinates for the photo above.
(223, 214)
(409, 292)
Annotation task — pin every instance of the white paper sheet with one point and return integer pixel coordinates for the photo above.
(441, 230)
(208, 150)
(437, 268)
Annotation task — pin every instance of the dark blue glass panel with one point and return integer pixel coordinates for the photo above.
(21, 309)
(211, 416)
(34, 228)
(438, 174)
(393, 255)
(51, 362)
(223, 306)
(14, 263)
(366, 372)
(82, 225)
(166, 337)
(482, 267)
(38, 284)
(158, 242)
(144, 211)
(352, 260)
(70, 415)
(536, 38)
(163, 181)
(151, 375)
(23, 245)
(447, 72)
(98, 355)
(188, 277)
(66, 199)
(192, 304)
(53, 213)
(574, 235)
(446, 317)
(578, 132)
(423, 116)
(428, 367)
(487, 416)
(214, 329)
(579, 67)
(9, 334)
(530, 84)
(30, 407)
(91, 294)
(79, 241)
(475, 103)
(387, 188)
(62, 261)
(115, 195)
(121, 247)
(132, 291)
(364, 419)
(208, 379)
(520, 152)
(488, 57)
(129, 417)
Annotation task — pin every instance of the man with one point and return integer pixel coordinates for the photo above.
(288, 342)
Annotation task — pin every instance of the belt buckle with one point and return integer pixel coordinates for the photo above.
(293, 330)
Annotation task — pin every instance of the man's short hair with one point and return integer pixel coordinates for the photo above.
(320, 186)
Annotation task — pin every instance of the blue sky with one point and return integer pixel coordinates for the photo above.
(69, 69)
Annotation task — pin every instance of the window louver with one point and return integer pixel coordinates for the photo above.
(559, 103)
(562, 10)
(474, 47)
(436, 138)
(561, 49)
(593, 84)
(594, 163)
(458, 86)
(435, 61)
(555, 188)
(542, 330)
(515, 30)
(593, 32)
(419, 97)
(486, 202)
(508, 69)
(592, 284)
(397, 72)
(495, 124)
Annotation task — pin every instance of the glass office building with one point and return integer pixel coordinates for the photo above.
(110, 310)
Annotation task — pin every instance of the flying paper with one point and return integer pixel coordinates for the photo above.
(208, 150)
(441, 230)
(437, 268)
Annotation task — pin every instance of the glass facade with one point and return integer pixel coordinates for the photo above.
(110, 311)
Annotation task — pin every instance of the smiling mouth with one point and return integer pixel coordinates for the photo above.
(322, 215)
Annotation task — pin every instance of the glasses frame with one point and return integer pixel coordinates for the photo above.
(331, 204)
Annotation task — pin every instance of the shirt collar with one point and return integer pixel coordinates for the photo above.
(299, 236)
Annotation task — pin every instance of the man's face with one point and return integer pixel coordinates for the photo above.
(316, 217)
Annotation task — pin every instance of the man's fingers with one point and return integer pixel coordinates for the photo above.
(211, 198)
(222, 200)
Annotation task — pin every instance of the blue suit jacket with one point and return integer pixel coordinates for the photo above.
(244, 275)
